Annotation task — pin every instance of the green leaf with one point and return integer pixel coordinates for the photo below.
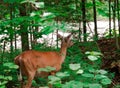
(62, 74)
(27, 1)
(46, 30)
(102, 71)
(74, 66)
(2, 86)
(39, 4)
(73, 84)
(92, 70)
(98, 76)
(95, 86)
(11, 1)
(3, 83)
(72, 6)
(1, 77)
(88, 75)
(47, 69)
(80, 71)
(9, 77)
(11, 65)
(87, 52)
(54, 79)
(92, 58)
(94, 53)
(106, 81)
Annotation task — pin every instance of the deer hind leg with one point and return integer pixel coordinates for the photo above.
(30, 73)
(30, 77)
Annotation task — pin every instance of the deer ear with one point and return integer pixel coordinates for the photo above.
(69, 36)
(59, 36)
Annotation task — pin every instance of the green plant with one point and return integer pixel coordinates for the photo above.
(7, 73)
(79, 77)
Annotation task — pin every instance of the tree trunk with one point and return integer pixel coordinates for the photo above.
(35, 31)
(11, 30)
(23, 28)
(110, 34)
(95, 20)
(118, 16)
(114, 16)
(84, 20)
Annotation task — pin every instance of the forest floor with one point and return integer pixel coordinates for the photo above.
(111, 58)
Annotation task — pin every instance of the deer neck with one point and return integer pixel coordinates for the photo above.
(63, 52)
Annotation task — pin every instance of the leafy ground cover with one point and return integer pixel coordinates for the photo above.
(84, 67)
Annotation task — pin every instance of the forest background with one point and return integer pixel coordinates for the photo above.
(92, 62)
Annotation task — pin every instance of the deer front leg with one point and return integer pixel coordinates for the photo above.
(58, 67)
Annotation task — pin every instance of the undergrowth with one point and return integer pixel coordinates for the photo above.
(81, 69)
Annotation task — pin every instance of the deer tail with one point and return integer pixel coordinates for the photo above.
(17, 61)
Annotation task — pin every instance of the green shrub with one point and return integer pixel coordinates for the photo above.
(7, 73)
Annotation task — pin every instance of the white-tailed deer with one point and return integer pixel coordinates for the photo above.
(30, 61)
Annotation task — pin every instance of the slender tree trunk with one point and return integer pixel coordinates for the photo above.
(15, 38)
(31, 37)
(57, 36)
(110, 34)
(118, 14)
(95, 20)
(34, 42)
(80, 31)
(79, 20)
(11, 30)
(84, 20)
(24, 29)
(114, 16)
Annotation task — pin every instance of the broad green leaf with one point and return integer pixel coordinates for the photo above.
(106, 81)
(88, 75)
(92, 70)
(98, 76)
(54, 79)
(50, 68)
(92, 58)
(102, 71)
(87, 52)
(2, 86)
(95, 86)
(73, 84)
(72, 6)
(94, 53)
(39, 4)
(3, 82)
(1, 77)
(47, 69)
(9, 77)
(62, 74)
(11, 65)
(27, 1)
(74, 66)
(86, 84)
(46, 30)
(80, 71)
